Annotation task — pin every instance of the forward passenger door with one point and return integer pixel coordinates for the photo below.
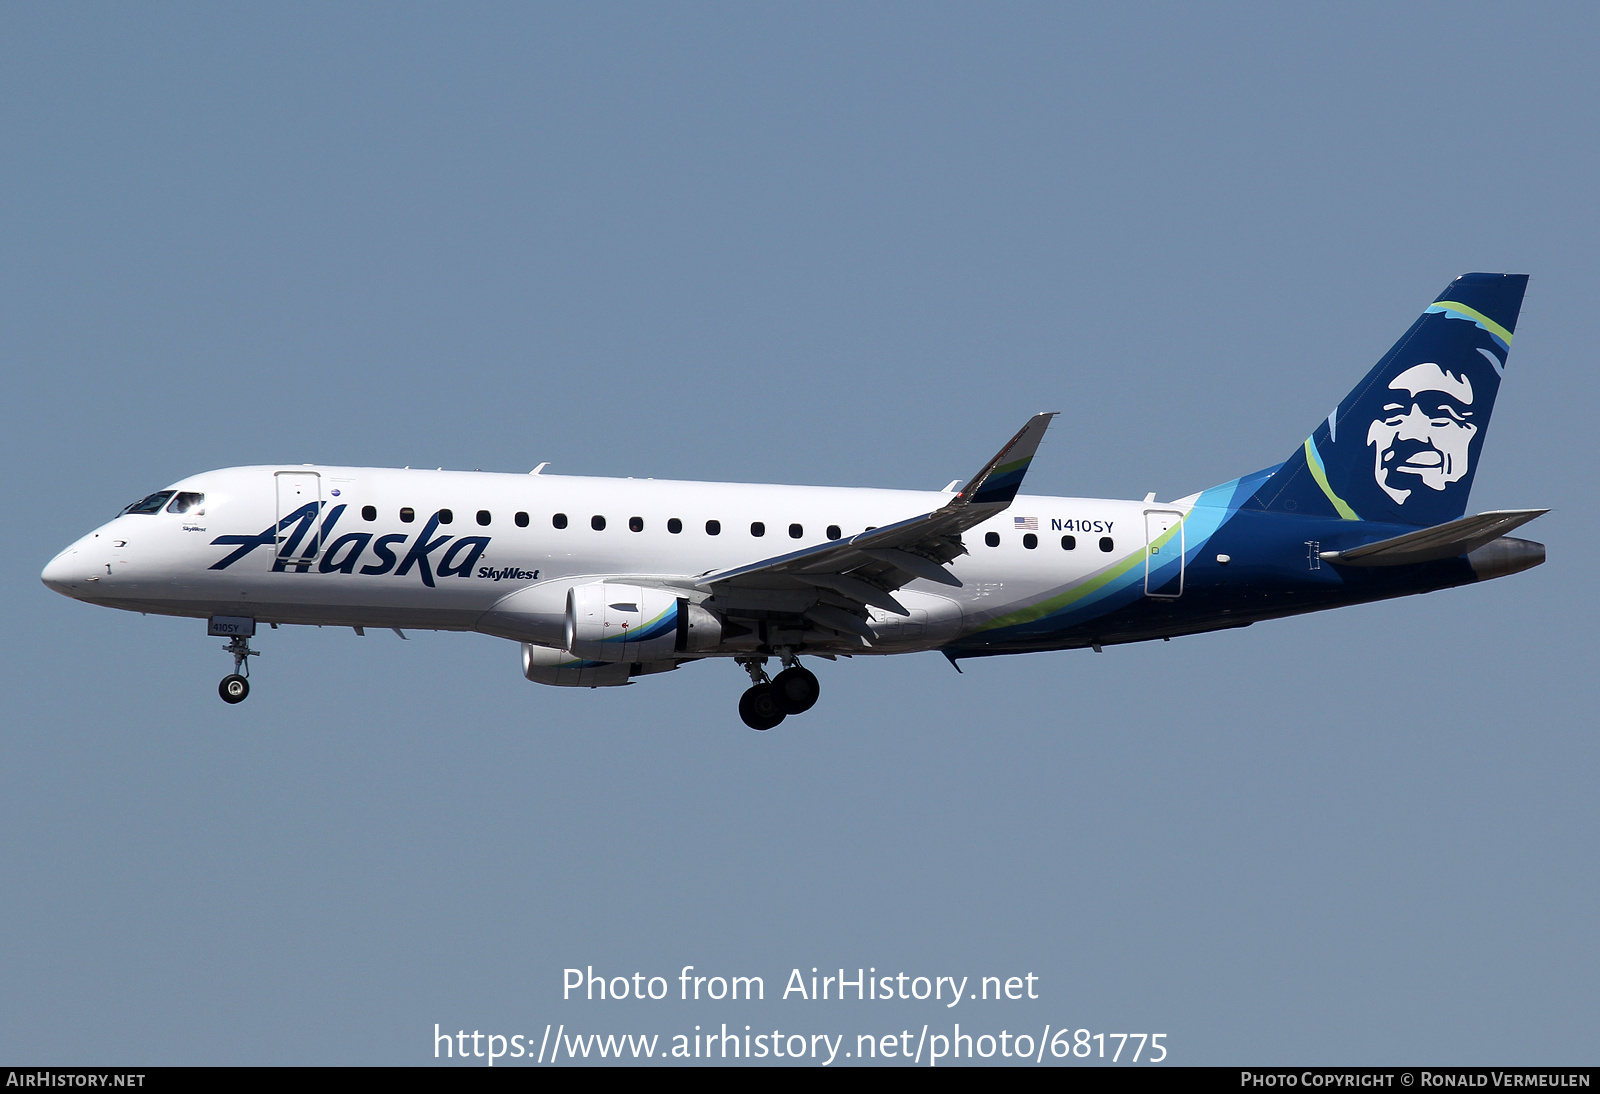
(299, 539)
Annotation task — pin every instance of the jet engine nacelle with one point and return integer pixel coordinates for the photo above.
(543, 665)
(617, 622)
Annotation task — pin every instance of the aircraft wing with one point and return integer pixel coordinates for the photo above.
(1448, 540)
(845, 575)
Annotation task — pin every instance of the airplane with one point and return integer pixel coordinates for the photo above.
(605, 580)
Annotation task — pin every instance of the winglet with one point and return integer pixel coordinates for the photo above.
(1001, 477)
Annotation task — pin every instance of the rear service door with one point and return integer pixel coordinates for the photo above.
(1163, 553)
(298, 538)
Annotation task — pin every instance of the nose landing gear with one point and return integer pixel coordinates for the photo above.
(236, 685)
(767, 702)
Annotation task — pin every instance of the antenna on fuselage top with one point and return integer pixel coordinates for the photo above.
(540, 468)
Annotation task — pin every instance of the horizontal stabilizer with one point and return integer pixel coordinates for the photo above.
(1450, 540)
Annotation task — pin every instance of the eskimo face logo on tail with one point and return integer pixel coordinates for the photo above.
(1424, 434)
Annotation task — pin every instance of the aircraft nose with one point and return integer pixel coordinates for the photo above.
(64, 572)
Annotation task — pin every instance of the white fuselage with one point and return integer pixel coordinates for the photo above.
(366, 565)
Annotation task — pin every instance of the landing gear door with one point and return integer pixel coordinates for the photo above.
(299, 527)
(1163, 553)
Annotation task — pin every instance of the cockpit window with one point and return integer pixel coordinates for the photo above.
(152, 504)
(186, 502)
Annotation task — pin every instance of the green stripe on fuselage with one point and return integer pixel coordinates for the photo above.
(1078, 592)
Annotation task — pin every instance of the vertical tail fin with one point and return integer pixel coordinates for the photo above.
(1403, 446)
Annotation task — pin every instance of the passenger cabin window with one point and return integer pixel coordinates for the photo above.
(1106, 545)
(521, 519)
(635, 524)
(187, 503)
(795, 531)
(559, 520)
(757, 529)
(446, 516)
(674, 525)
(1030, 541)
(369, 512)
(598, 523)
(833, 531)
(713, 527)
(992, 538)
(1069, 543)
(483, 517)
(407, 515)
(152, 504)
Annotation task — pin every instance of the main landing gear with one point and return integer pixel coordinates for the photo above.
(236, 685)
(767, 702)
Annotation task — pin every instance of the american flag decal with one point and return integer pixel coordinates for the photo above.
(1027, 524)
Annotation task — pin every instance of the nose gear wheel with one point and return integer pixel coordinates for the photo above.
(235, 686)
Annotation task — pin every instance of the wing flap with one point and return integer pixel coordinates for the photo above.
(863, 592)
(839, 620)
(915, 565)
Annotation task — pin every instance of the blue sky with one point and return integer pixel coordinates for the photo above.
(836, 244)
